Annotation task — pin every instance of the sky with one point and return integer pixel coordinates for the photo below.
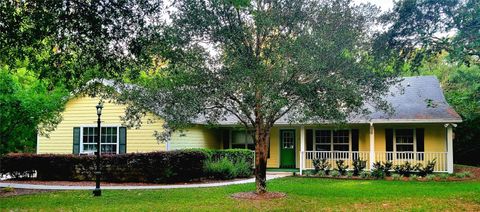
(383, 4)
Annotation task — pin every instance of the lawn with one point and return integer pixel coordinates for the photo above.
(303, 194)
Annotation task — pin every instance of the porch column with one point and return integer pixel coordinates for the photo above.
(449, 148)
(302, 149)
(372, 145)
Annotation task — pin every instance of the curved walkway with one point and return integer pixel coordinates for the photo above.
(200, 185)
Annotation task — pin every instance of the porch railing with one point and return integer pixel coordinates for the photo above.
(397, 158)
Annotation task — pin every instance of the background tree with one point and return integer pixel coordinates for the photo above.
(27, 107)
(259, 61)
(442, 38)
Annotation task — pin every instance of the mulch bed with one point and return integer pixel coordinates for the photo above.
(474, 170)
(21, 191)
(254, 196)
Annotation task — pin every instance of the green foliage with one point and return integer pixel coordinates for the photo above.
(210, 46)
(378, 170)
(413, 177)
(365, 175)
(223, 169)
(460, 175)
(350, 174)
(243, 169)
(431, 177)
(404, 169)
(425, 170)
(396, 177)
(27, 106)
(468, 174)
(321, 164)
(387, 166)
(358, 166)
(341, 167)
(444, 176)
(335, 173)
(8, 189)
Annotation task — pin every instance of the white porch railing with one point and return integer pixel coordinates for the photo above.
(397, 158)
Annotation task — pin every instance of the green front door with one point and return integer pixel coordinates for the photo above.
(287, 148)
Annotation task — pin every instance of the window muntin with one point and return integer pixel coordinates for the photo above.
(328, 140)
(288, 139)
(242, 140)
(109, 140)
(404, 140)
(323, 139)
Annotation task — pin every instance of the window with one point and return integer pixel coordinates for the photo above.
(242, 140)
(340, 140)
(288, 141)
(328, 140)
(404, 140)
(108, 140)
(404, 143)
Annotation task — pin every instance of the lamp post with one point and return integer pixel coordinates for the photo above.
(98, 191)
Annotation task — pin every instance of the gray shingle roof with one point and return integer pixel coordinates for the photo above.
(418, 100)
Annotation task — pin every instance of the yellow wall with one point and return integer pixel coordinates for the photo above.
(434, 138)
(81, 111)
(197, 137)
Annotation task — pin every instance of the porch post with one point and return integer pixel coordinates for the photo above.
(302, 149)
(372, 145)
(449, 148)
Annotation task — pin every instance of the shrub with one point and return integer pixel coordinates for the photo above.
(243, 169)
(396, 176)
(222, 169)
(404, 169)
(349, 174)
(413, 177)
(321, 164)
(377, 170)
(171, 166)
(365, 175)
(8, 189)
(425, 170)
(335, 173)
(444, 176)
(322, 173)
(468, 174)
(460, 175)
(387, 166)
(430, 177)
(341, 166)
(358, 166)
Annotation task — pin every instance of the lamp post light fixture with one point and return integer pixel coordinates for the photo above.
(98, 192)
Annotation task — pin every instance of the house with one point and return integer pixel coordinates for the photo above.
(419, 130)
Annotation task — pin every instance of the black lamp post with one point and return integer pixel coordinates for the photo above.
(98, 191)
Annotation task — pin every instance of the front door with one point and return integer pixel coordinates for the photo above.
(287, 148)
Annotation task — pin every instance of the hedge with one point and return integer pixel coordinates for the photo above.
(163, 167)
(171, 166)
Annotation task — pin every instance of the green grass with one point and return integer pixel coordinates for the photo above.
(303, 194)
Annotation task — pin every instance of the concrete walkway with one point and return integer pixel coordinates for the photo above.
(200, 185)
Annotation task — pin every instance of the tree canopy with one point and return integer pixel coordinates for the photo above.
(259, 61)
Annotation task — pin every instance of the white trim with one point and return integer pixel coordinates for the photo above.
(372, 145)
(395, 142)
(95, 126)
(315, 143)
(375, 121)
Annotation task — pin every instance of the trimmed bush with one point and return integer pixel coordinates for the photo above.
(243, 169)
(222, 169)
(171, 166)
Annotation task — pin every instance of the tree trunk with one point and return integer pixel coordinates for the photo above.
(262, 136)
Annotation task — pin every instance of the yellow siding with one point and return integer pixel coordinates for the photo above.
(81, 111)
(197, 137)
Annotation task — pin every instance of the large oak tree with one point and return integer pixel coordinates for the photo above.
(259, 61)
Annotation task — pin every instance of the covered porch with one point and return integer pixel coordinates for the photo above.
(398, 143)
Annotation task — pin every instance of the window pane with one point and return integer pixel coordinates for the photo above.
(321, 147)
(340, 136)
(404, 148)
(340, 147)
(404, 136)
(241, 137)
(322, 136)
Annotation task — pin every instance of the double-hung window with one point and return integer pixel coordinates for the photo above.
(242, 140)
(332, 140)
(405, 143)
(108, 141)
